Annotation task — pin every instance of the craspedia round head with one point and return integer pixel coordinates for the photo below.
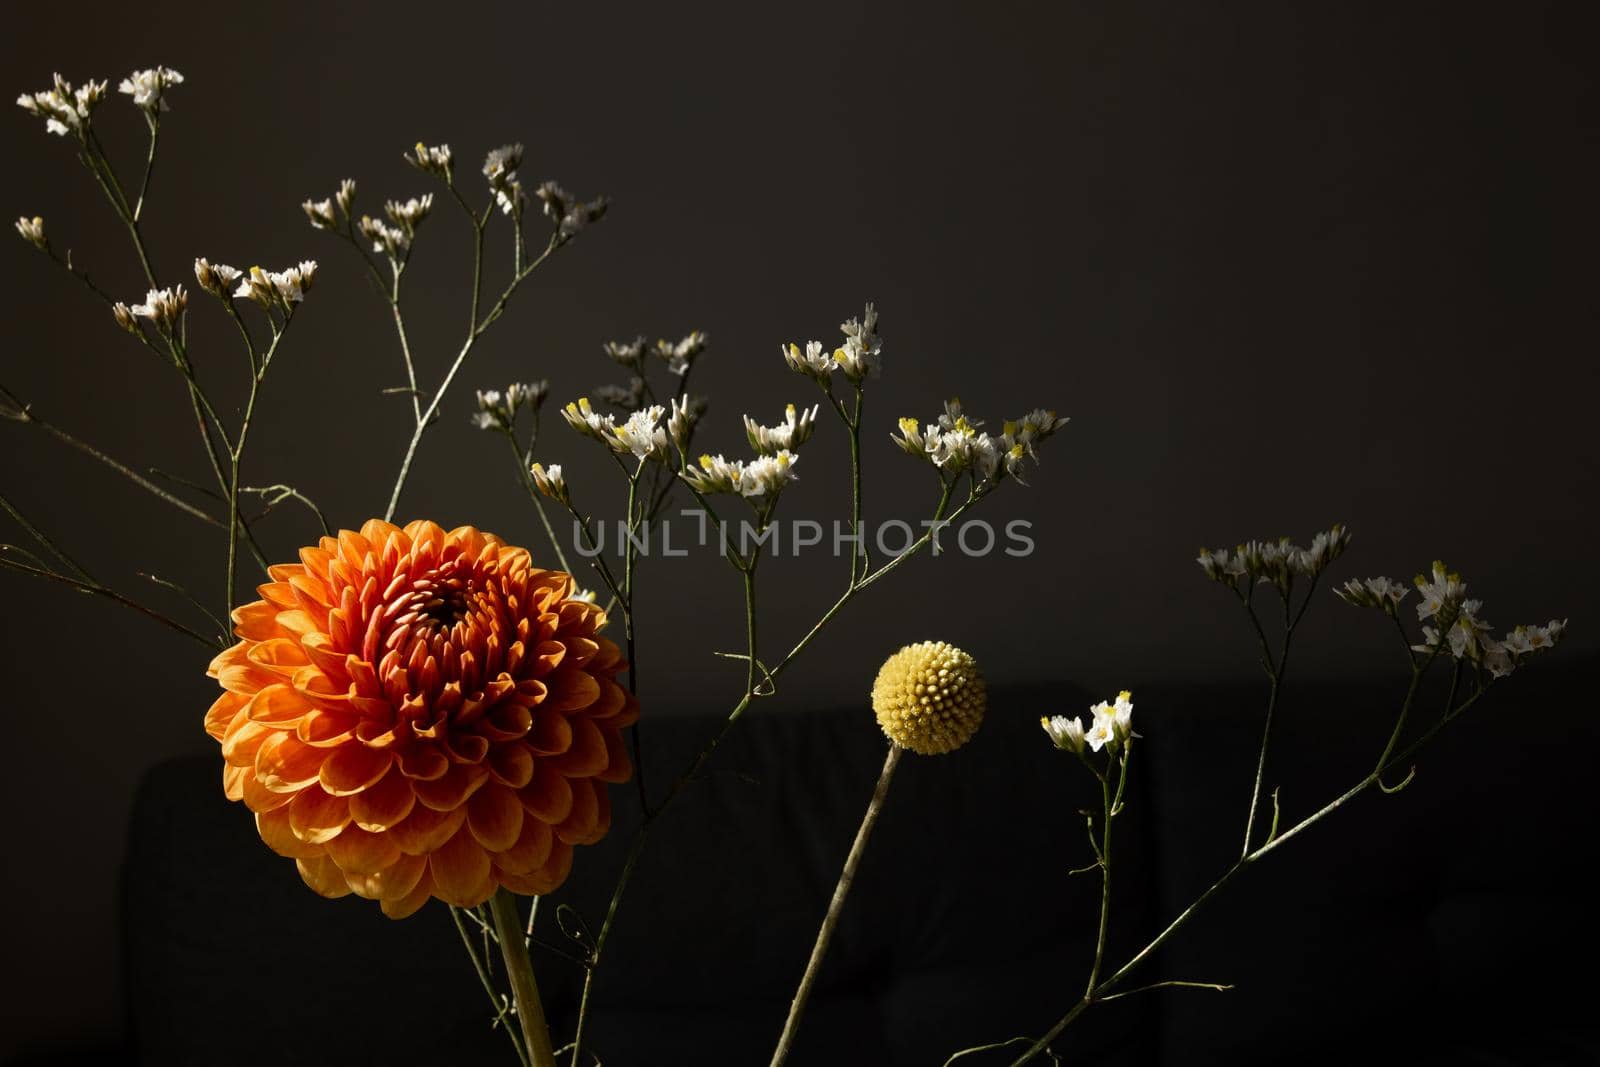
(929, 697)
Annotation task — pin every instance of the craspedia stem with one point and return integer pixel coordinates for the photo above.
(847, 876)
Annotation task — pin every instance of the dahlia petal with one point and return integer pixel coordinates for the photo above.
(545, 879)
(385, 804)
(550, 734)
(233, 781)
(241, 745)
(465, 748)
(282, 572)
(571, 690)
(378, 532)
(278, 593)
(256, 621)
(580, 650)
(530, 850)
(547, 656)
(459, 869)
(222, 713)
(299, 624)
(309, 593)
(353, 548)
(611, 700)
(506, 722)
(258, 798)
(322, 729)
(274, 828)
(327, 657)
(511, 764)
(548, 797)
(452, 789)
(424, 830)
(578, 828)
(607, 656)
(277, 704)
(588, 755)
(317, 818)
(494, 816)
(285, 764)
(402, 907)
(468, 539)
(424, 763)
(324, 876)
(315, 561)
(279, 656)
(362, 851)
(353, 767)
(619, 767)
(392, 882)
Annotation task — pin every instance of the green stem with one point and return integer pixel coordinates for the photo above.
(519, 971)
(495, 997)
(830, 922)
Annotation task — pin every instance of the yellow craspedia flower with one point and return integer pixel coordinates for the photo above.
(929, 697)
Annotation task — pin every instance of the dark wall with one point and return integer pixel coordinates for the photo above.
(1282, 264)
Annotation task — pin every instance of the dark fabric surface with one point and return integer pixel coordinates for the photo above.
(1414, 928)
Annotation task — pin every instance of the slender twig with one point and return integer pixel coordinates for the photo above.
(847, 876)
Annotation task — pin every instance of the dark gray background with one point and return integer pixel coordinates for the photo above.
(1282, 264)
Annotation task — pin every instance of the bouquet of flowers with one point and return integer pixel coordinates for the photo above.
(412, 713)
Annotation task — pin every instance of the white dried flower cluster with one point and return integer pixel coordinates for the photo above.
(408, 214)
(392, 241)
(570, 215)
(680, 355)
(681, 420)
(761, 478)
(148, 87)
(32, 231)
(643, 434)
(1384, 594)
(500, 168)
(1462, 630)
(163, 307)
(279, 288)
(790, 434)
(434, 160)
(550, 482)
(216, 279)
(320, 213)
(64, 108)
(955, 443)
(859, 357)
(498, 409)
(1110, 726)
(1278, 562)
(628, 353)
(628, 397)
(346, 196)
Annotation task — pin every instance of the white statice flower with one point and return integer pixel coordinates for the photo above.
(860, 355)
(1441, 594)
(1468, 632)
(492, 413)
(408, 214)
(643, 435)
(715, 474)
(277, 288)
(435, 160)
(32, 231)
(681, 420)
(124, 316)
(1066, 734)
(346, 196)
(812, 361)
(148, 87)
(1116, 715)
(582, 416)
(910, 439)
(680, 355)
(628, 353)
(215, 278)
(500, 170)
(550, 482)
(320, 214)
(65, 109)
(164, 307)
(766, 476)
(628, 397)
(390, 240)
(585, 595)
(570, 214)
(1382, 593)
(1100, 734)
(793, 432)
(1326, 547)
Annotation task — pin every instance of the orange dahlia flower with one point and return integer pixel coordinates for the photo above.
(412, 713)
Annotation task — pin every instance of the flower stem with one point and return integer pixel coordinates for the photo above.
(519, 970)
(835, 907)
